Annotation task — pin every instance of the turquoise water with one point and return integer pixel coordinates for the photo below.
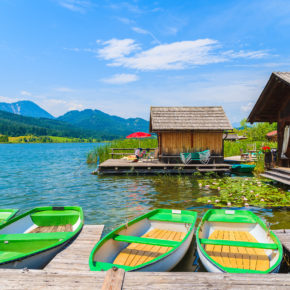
(57, 174)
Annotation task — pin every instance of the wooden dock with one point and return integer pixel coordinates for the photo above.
(121, 166)
(76, 256)
(69, 270)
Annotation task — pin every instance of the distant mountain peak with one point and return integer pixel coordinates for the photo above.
(25, 108)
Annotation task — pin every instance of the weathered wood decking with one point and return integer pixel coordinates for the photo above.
(76, 256)
(121, 166)
(279, 174)
(69, 270)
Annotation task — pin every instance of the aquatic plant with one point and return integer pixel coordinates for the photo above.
(244, 192)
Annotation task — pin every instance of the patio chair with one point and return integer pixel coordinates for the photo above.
(202, 157)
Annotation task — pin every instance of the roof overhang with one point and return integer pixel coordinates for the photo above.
(274, 96)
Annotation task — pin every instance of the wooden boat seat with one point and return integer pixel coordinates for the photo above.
(237, 257)
(52, 229)
(137, 254)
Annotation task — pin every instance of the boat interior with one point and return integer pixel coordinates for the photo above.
(232, 253)
(144, 240)
(36, 231)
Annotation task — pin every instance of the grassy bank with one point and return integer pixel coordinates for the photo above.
(45, 139)
(104, 151)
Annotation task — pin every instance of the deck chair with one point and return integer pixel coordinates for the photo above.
(203, 157)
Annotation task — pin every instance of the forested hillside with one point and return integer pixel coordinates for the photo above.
(16, 125)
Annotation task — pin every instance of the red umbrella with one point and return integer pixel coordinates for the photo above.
(138, 135)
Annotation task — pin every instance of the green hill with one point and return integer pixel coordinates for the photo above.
(16, 125)
(98, 121)
(84, 124)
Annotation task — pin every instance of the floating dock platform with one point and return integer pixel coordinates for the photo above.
(70, 270)
(121, 166)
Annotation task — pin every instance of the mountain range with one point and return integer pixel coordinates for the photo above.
(27, 118)
(25, 108)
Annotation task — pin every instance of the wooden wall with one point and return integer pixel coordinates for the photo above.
(284, 119)
(173, 143)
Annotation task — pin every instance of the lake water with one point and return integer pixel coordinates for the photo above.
(57, 174)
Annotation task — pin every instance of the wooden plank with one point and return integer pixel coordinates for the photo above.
(284, 237)
(77, 254)
(137, 254)
(234, 256)
(39, 279)
(179, 280)
(114, 279)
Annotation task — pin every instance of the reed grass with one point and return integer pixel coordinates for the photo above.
(104, 151)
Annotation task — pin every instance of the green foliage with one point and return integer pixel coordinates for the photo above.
(243, 192)
(4, 139)
(48, 139)
(16, 125)
(104, 151)
(257, 132)
(235, 148)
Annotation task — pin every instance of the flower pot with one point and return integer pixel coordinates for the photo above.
(268, 159)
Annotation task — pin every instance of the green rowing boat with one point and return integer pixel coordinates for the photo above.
(32, 239)
(237, 241)
(155, 241)
(7, 214)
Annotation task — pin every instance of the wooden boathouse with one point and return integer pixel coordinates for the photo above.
(189, 129)
(273, 105)
(179, 130)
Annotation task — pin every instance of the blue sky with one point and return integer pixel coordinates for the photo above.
(123, 57)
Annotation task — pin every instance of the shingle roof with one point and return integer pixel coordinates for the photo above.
(188, 118)
(272, 99)
(283, 75)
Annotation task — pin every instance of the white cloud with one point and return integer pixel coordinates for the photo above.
(172, 56)
(8, 100)
(247, 108)
(143, 31)
(75, 5)
(119, 79)
(246, 54)
(117, 48)
(25, 93)
(125, 20)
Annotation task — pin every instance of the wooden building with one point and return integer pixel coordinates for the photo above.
(189, 129)
(273, 105)
(233, 137)
(272, 136)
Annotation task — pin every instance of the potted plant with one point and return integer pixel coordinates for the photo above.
(268, 156)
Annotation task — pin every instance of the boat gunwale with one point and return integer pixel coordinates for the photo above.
(113, 233)
(13, 212)
(239, 270)
(70, 236)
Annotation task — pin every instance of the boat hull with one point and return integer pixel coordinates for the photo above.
(237, 228)
(159, 240)
(34, 238)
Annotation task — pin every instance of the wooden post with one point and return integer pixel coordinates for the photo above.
(114, 279)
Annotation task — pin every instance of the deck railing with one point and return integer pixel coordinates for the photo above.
(125, 152)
